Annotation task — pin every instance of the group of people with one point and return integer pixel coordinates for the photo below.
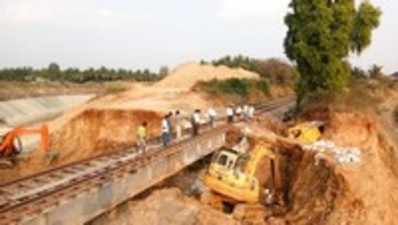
(238, 113)
(172, 123)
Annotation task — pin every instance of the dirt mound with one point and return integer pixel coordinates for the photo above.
(95, 131)
(168, 206)
(362, 193)
(187, 75)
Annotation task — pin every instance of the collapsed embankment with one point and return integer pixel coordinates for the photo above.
(333, 193)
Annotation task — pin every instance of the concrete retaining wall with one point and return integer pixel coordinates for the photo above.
(25, 111)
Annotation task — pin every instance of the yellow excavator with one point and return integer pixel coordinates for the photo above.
(233, 180)
(233, 177)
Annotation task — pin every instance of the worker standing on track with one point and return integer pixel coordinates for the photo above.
(230, 114)
(238, 111)
(141, 137)
(165, 131)
(251, 112)
(246, 112)
(170, 121)
(178, 124)
(195, 122)
(211, 113)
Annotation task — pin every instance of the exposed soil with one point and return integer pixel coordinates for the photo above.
(167, 206)
(331, 193)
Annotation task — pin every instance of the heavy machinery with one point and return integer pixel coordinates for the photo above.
(307, 132)
(233, 179)
(11, 144)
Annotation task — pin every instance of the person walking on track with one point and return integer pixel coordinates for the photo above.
(195, 122)
(178, 124)
(211, 113)
(142, 137)
(230, 114)
(165, 129)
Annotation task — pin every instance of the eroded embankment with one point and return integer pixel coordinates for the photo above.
(360, 193)
(96, 131)
(88, 134)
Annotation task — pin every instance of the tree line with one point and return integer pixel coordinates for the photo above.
(54, 73)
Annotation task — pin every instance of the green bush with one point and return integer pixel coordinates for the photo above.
(231, 86)
(235, 86)
(262, 86)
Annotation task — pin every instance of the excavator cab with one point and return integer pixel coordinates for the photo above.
(233, 174)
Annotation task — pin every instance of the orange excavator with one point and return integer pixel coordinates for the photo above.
(11, 143)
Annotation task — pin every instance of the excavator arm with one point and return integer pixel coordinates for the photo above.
(7, 147)
(260, 151)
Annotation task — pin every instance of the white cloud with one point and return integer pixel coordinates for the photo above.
(241, 9)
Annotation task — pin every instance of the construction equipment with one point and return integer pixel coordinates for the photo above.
(11, 143)
(307, 132)
(233, 180)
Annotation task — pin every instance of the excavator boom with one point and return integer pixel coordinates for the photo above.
(7, 147)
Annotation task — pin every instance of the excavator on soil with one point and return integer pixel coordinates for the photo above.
(233, 180)
(251, 181)
(11, 144)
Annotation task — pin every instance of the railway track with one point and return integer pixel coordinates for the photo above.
(36, 193)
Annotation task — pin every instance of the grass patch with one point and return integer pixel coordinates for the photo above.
(115, 87)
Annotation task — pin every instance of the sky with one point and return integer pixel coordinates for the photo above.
(148, 34)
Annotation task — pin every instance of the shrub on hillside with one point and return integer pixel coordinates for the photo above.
(275, 70)
(262, 86)
(235, 86)
(231, 86)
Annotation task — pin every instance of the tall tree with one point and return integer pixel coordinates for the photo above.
(321, 35)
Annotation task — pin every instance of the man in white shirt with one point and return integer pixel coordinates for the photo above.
(178, 124)
(196, 122)
(165, 128)
(251, 112)
(212, 116)
(246, 112)
(230, 114)
(238, 112)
